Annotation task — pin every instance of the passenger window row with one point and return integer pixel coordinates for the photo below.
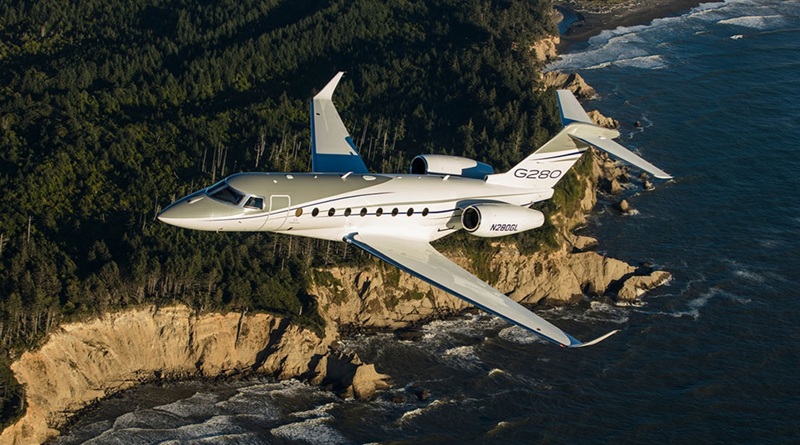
(363, 212)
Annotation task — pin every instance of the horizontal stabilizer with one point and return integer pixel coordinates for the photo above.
(620, 152)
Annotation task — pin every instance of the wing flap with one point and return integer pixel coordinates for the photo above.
(332, 149)
(420, 259)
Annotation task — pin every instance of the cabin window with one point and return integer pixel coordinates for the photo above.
(315, 212)
(425, 211)
(228, 194)
(298, 212)
(331, 212)
(410, 212)
(254, 202)
(379, 212)
(347, 211)
(363, 212)
(395, 211)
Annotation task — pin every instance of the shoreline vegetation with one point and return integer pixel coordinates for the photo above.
(108, 273)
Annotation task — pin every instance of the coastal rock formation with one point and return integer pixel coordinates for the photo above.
(83, 362)
(379, 297)
(573, 82)
(635, 286)
(601, 120)
(544, 50)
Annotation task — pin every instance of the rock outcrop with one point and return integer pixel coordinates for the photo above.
(573, 82)
(544, 50)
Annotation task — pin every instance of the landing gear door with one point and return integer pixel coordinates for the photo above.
(278, 211)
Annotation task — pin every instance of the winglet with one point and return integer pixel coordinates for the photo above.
(327, 92)
(332, 148)
(578, 344)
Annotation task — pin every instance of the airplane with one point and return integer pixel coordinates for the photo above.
(395, 217)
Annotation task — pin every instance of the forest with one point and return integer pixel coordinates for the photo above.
(111, 109)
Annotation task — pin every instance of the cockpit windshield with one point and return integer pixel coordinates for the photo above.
(226, 194)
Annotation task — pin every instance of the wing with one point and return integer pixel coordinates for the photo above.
(423, 261)
(332, 148)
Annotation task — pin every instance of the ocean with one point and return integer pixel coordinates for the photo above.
(711, 357)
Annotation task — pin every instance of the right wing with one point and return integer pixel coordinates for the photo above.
(332, 148)
(420, 259)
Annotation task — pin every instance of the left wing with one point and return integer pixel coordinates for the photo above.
(420, 259)
(332, 148)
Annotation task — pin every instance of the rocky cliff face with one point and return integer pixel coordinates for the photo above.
(83, 362)
(379, 297)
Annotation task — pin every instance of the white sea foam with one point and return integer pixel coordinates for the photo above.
(316, 413)
(312, 431)
(517, 335)
(408, 415)
(255, 404)
(461, 356)
(148, 419)
(760, 22)
(496, 371)
(199, 404)
(597, 312)
(695, 305)
(749, 276)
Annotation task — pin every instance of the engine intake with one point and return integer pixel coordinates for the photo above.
(450, 165)
(492, 220)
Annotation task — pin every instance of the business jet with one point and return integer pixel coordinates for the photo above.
(396, 216)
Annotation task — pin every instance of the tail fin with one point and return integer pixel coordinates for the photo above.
(547, 165)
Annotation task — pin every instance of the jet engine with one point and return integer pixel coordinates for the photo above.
(495, 219)
(450, 165)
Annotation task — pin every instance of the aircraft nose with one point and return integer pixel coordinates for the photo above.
(175, 214)
(191, 212)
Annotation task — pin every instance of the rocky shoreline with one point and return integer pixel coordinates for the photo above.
(81, 363)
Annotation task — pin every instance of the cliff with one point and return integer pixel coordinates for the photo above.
(83, 362)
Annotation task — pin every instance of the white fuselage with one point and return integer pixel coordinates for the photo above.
(331, 206)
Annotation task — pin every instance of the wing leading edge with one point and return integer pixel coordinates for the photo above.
(420, 259)
(332, 148)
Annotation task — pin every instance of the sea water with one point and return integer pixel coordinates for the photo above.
(711, 358)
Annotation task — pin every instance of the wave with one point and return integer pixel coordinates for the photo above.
(597, 312)
(313, 431)
(695, 306)
(198, 405)
(517, 335)
(634, 46)
(408, 415)
(756, 21)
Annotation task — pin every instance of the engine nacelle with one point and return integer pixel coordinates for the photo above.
(492, 220)
(450, 165)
